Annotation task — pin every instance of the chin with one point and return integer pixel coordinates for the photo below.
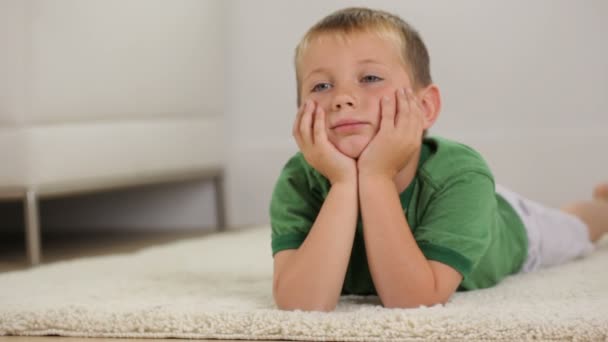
(353, 153)
(352, 146)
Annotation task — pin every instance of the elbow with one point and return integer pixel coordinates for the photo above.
(403, 302)
(291, 302)
(289, 306)
(287, 301)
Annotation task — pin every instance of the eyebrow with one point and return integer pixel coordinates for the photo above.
(321, 69)
(368, 61)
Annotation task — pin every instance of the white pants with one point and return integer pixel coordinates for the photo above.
(554, 237)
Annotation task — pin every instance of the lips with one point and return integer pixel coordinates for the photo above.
(347, 123)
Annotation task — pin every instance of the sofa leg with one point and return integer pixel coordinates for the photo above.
(32, 227)
(220, 209)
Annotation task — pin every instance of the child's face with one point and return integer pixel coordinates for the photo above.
(348, 78)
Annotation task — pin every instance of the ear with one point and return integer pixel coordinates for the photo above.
(430, 100)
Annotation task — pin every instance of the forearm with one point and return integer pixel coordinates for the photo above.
(402, 275)
(313, 276)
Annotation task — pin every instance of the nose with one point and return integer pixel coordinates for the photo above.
(343, 101)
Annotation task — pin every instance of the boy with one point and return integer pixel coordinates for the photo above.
(432, 220)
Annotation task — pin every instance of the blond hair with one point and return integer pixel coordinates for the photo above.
(343, 22)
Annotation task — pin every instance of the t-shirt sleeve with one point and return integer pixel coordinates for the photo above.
(294, 206)
(455, 228)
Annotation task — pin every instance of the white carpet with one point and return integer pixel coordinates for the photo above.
(220, 287)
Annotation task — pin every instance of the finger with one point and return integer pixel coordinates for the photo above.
(417, 109)
(319, 125)
(306, 124)
(296, 123)
(403, 107)
(415, 115)
(295, 130)
(387, 112)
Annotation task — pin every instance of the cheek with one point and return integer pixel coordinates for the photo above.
(372, 105)
(321, 101)
(375, 97)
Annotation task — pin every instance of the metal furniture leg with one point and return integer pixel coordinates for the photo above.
(32, 227)
(220, 209)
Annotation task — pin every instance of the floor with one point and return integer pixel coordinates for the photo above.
(77, 339)
(67, 246)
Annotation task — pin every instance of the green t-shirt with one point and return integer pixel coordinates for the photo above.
(451, 207)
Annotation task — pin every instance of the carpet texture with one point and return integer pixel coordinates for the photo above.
(220, 287)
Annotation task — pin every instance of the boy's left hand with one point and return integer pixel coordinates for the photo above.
(398, 139)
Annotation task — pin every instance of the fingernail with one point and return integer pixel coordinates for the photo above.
(402, 91)
(385, 98)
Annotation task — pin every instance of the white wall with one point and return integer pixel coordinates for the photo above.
(523, 81)
(12, 59)
(89, 60)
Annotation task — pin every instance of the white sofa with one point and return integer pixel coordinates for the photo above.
(96, 95)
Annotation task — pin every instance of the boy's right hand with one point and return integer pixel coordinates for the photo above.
(311, 137)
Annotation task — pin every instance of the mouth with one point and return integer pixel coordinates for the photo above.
(348, 124)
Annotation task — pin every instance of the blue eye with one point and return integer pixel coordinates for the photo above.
(320, 87)
(370, 79)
